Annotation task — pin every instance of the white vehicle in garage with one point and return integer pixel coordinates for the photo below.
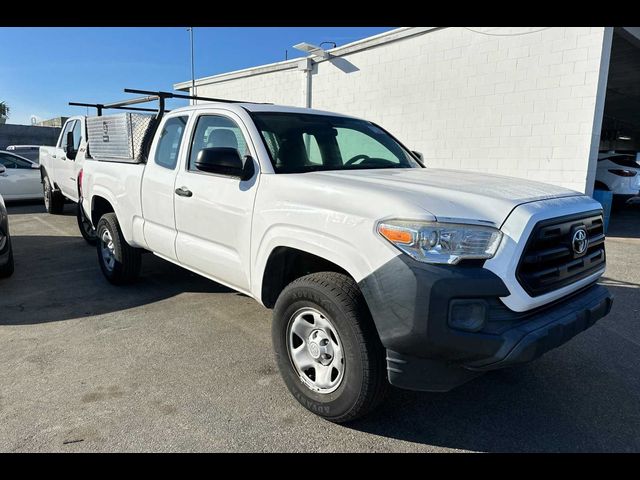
(379, 270)
(19, 177)
(60, 168)
(619, 173)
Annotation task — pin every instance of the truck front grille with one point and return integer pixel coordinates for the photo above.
(550, 261)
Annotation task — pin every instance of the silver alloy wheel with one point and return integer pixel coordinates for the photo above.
(315, 350)
(107, 250)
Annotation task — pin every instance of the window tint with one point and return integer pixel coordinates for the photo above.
(216, 131)
(10, 161)
(169, 143)
(300, 142)
(77, 135)
(7, 161)
(63, 138)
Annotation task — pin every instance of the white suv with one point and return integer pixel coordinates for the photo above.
(619, 173)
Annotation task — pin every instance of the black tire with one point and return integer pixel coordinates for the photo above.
(86, 229)
(6, 270)
(53, 201)
(364, 382)
(126, 259)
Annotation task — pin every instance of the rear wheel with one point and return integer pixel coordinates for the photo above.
(86, 229)
(53, 200)
(119, 261)
(327, 349)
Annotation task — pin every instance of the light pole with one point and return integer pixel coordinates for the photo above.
(306, 65)
(193, 76)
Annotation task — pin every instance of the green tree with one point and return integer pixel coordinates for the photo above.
(4, 109)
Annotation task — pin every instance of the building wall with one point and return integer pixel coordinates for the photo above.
(284, 87)
(27, 135)
(521, 105)
(53, 122)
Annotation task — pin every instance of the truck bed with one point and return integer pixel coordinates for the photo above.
(120, 184)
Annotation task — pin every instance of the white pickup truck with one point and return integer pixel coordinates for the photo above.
(60, 168)
(378, 270)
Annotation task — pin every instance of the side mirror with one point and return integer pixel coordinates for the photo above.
(419, 155)
(3, 170)
(35, 166)
(71, 153)
(224, 161)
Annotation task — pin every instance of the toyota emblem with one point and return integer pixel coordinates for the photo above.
(579, 241)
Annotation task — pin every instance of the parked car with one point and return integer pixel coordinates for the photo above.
(30, 152)
(60, 167)
(6, 252)
(19, 177)
(378, 270)
(620, 174)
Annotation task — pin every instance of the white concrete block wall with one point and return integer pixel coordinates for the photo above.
(284, 87)
(519, 105)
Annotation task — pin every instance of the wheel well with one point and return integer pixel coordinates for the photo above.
(286, 264)
(99, 206)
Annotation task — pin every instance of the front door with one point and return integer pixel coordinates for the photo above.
(67, 175)
(213, 212)
(158, 186)
(59, 163)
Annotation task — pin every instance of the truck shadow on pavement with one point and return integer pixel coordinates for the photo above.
(582, 397)
(58, 278)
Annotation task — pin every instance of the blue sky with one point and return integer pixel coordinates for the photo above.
(41, 69)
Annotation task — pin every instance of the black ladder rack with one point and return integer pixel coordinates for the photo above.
(150, 96)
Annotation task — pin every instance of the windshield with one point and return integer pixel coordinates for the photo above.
(302, 142)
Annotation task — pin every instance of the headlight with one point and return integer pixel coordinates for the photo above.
(434, 242)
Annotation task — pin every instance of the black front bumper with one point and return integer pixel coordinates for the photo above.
(409, 302)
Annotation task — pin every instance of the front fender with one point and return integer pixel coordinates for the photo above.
(356, 260)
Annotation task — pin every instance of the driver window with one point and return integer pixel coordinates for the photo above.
(313, 150)
(77, 135)
(353, 143)
(7, 161)
(63, 137)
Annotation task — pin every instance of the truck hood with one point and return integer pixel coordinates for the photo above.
(450, 194)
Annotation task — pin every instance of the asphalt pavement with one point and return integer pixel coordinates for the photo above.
(176, 362)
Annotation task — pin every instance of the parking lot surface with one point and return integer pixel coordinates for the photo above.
(176, 362)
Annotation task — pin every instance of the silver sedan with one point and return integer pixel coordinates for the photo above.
(19, 177)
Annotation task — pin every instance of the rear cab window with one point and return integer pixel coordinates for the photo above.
(166, 154)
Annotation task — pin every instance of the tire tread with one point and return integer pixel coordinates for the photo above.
(346, 293)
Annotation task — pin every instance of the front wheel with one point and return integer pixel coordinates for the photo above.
(119, 261)
(327, 349)
(86, 229)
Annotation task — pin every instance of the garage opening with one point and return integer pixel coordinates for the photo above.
(618, 167)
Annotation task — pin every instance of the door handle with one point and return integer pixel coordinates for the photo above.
(54, 156)
(184, 192)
